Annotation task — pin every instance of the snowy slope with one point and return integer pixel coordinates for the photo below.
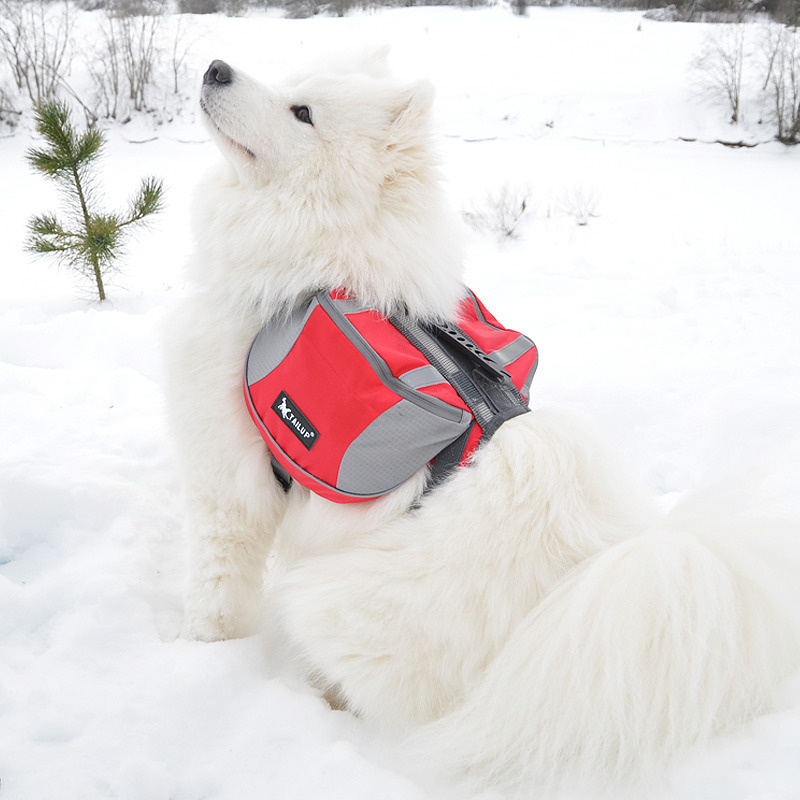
(670, 321)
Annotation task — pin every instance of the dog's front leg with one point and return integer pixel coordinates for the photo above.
(227, 556)
(234, 504)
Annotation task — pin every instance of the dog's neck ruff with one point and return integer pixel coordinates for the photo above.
(352, 403)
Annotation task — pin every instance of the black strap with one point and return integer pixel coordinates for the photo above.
(480, 381)
(281, 475)
(446, 462)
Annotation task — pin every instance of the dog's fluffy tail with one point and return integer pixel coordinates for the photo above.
(643, 652)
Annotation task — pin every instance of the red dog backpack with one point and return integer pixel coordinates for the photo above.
(352, 403)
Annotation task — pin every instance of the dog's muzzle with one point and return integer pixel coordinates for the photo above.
(218, 72)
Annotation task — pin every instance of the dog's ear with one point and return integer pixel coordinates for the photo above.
(407, 145)
(409, 115)
(412, 103)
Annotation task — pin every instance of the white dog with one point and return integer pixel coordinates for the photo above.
(532, 620)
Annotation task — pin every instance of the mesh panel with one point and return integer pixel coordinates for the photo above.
(393, 447)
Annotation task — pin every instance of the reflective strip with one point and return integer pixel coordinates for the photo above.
(513, 350)
(347, 305)
(525, 389)
(422, 376)
(478, 313)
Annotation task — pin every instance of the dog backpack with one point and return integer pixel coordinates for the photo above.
(352, 403)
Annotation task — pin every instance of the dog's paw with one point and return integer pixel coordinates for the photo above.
(218, 610)
(205, 627)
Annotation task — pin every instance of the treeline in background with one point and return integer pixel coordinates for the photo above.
(130, 57)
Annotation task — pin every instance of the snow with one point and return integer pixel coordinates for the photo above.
(670, 321)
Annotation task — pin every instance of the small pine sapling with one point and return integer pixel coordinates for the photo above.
(90, 242)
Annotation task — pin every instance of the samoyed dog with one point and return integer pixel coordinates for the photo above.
(532, 622)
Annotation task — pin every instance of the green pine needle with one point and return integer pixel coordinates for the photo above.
(102, 237)
(46, 225)
(89, 146)
(41, 244)
(48, 163)
(147, 201)
(52, 123)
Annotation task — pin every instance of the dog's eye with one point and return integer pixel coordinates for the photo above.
(303, 113)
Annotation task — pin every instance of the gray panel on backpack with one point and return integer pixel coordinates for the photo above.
(371, 462)
(274, 342)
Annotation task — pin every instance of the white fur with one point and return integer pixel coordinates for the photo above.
(531, 622)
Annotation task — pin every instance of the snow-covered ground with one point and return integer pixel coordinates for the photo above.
(671, 321)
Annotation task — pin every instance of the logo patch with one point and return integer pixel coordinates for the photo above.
(295, 420)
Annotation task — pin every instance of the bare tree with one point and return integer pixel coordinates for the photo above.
(720, 66)
(34, 42)
(8, 114)
(180, 49)
(124, 65)
(230, 7)
(105, 67)
(781, 59)
(136, 35)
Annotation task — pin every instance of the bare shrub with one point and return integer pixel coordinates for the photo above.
(133, 8)
(179, 49)
(781, 71)
(302, 9)
(105, 68)
(719, 68)
(200, 6)
(501, 212)
(341, 7)
(135, 37)
(230, 7)
(125, 64)
(35, 43)
(9, 115)
(581, 204)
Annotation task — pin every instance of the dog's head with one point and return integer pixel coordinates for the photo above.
(334, 182)
(330, 139)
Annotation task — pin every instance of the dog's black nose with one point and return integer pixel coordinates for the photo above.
(218, 72)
